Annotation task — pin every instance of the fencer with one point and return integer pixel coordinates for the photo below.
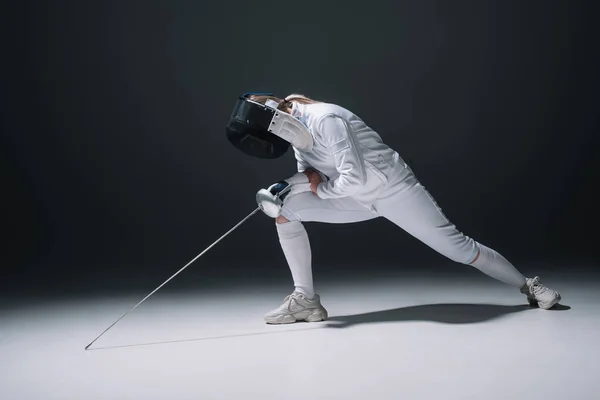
(347, 174)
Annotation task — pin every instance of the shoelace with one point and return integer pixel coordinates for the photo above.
(287, 302)
(536, 286)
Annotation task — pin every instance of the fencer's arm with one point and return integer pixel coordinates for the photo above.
(342, 144)
(301, 163)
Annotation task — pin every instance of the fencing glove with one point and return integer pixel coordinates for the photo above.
(271, 200)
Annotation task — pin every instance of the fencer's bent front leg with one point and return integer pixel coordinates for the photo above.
(296, 248)
(294, 239)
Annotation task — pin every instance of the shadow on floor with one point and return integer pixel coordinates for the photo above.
(442, 313)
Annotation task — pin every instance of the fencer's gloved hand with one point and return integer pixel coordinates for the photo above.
(271, 200)
(280, 189)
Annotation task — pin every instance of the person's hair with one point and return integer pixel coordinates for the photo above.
(284, 103)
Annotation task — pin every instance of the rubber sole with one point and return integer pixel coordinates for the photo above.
(314, 315)
(549, 305)
(543, 306)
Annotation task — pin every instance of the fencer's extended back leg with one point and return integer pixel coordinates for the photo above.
(492, 263)
(417, 213)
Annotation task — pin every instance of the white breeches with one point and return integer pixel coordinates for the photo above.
(403, 201)
(406, 203)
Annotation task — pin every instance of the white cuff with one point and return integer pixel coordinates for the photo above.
(297, 178)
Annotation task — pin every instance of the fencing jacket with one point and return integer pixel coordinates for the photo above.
(352, 155)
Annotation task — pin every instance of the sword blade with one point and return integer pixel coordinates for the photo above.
(174, 275)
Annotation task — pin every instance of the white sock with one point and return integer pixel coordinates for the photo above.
(296, 248)
(495, 265)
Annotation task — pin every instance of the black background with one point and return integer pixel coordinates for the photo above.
(116, 171)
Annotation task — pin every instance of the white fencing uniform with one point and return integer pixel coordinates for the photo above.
(366, 180)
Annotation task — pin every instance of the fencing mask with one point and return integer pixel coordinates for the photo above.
(261, 130)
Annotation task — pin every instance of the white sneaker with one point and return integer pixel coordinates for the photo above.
(297, 307)
(540, 295)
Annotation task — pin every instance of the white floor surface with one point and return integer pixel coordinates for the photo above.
(400, 339)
